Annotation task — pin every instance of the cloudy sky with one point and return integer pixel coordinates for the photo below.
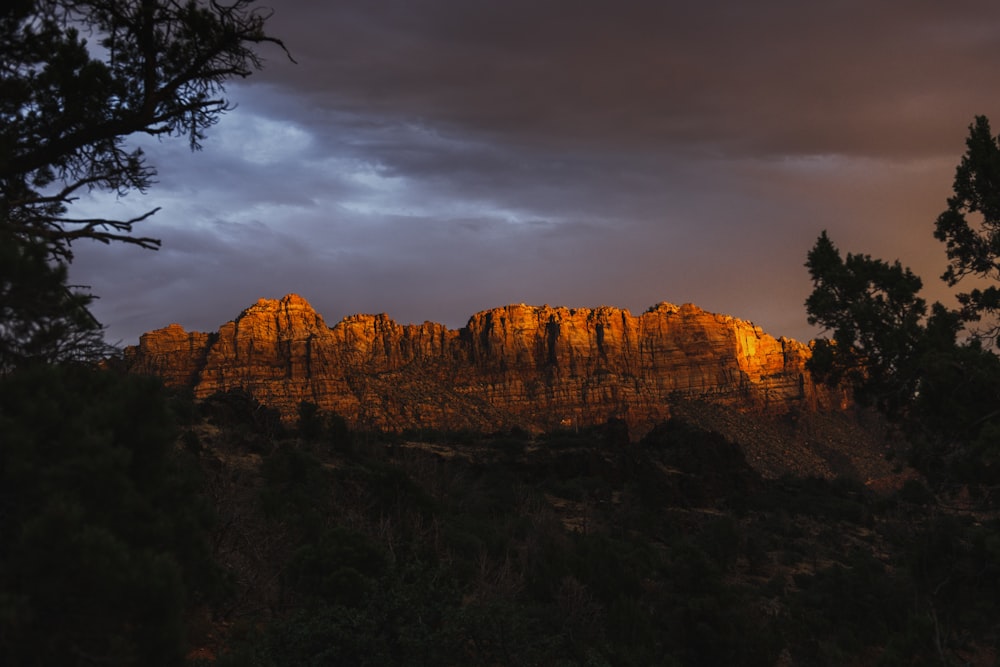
(433, 158)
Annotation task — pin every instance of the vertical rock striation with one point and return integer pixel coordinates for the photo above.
(527, 366)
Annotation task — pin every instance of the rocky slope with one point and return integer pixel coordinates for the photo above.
(526, 366)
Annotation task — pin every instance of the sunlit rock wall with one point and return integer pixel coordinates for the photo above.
(527, 366)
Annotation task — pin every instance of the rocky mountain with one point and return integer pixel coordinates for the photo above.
(533, 367)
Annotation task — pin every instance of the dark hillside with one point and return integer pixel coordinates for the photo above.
(574, 548)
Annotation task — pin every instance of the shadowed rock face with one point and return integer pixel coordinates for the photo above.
(527, 366)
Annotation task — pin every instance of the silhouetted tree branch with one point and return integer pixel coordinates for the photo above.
(156, 67)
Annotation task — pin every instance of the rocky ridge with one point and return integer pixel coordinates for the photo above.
(533, 367)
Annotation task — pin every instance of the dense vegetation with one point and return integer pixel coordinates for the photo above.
(105, 531)
(141, 526)
(571, 548)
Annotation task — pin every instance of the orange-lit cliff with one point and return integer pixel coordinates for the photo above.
(526, 366)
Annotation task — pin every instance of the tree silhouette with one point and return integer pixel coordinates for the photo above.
(103, 545)
(970, 226)
(41, 319)
(156, 67)
(915, 366)
(77, 78)
(877, 321)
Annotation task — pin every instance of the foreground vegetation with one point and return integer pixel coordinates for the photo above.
(146, 528)
(579, 549)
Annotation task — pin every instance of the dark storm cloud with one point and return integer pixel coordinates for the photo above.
(431, 158)
(777, 77)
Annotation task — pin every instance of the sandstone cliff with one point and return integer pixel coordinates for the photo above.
(527, 366)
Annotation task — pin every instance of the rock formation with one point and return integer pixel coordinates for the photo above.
(527, 366)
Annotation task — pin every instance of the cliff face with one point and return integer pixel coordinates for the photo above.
(527, 366)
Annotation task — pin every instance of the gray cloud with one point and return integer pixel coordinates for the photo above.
(431, 158)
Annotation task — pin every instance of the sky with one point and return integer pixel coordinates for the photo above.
(430, 159)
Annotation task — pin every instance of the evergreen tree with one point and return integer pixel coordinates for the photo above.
(103, 545)
(912, 365)
(42, 320)
(970, 226)
(877, 321)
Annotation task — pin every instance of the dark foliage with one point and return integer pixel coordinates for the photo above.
(970, 226)
(104, 535)
(42, 320)
(913, 365)
(876, 318)
(103, 549)
(251, 423)
(939, 598)
(590, 554)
